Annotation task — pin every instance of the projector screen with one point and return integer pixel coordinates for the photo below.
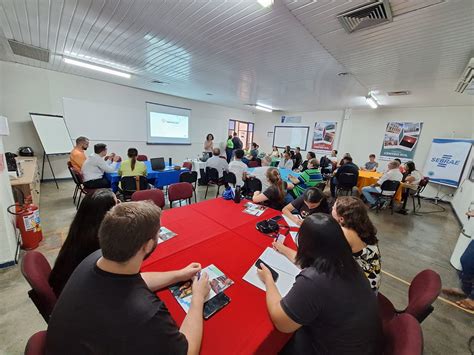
(167, 124)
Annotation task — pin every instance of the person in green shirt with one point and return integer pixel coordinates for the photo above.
(229, 148)
(131, 166)
(308, 178)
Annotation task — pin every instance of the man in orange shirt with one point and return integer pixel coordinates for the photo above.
(78, 154)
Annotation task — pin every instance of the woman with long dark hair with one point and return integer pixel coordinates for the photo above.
(411, 180)
(82, 238)
(330, 307)
(351, 213)
(274, 195)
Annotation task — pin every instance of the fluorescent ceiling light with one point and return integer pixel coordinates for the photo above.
(96, 67)
(371, 101)
(263, 108)
(265, 3)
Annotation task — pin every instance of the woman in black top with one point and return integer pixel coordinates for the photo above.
(273, 196)
(330, 307)
(312, 201)
(82, 238)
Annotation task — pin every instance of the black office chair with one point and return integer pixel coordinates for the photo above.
(387, 186)
(346, 183)
(229, 178)
(421, 186)
(212, 177)
(251, 185)
(192, 178)
(130, 184)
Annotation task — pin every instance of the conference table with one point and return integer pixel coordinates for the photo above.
(158, 178)
(367, 178)
(219, 232)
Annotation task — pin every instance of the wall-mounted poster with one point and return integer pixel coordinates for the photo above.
(324, 135)
(400, 140)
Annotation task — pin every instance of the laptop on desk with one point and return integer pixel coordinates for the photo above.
(157, 164)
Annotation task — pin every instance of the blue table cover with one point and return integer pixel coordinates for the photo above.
(156, 178)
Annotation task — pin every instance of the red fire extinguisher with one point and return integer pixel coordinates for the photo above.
(28, 222)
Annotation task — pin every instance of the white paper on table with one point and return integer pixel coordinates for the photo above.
(286, 270)
(290, 222)
(293, 236)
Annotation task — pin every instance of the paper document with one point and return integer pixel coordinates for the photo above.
(254, 209)
(293, 236)
(290, 222)
(286, 269)
(165, 234)
(218, 281)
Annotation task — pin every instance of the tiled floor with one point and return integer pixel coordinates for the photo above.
(408, 244)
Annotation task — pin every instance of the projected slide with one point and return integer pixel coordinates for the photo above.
(168, 126)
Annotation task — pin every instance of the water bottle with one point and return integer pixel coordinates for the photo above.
(237, 194)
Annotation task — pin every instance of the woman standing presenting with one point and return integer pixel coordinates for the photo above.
(209, 144)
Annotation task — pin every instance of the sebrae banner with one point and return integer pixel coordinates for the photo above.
(400, 140)
(446, 161)
(324, 135)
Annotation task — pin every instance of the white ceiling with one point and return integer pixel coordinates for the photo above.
(287, 56)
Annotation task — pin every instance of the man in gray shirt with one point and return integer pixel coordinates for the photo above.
(218, 163)
(371, 165)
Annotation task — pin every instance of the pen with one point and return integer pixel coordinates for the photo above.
(198, 275)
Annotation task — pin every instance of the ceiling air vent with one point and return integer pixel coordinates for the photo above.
(398, 93)
(32, 52)
(159, 82)
(368, 15)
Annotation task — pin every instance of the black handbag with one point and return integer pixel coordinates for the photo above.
(268, 226)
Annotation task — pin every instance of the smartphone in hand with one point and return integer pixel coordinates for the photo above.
(274, 273)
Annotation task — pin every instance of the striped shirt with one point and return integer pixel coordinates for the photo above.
(308, 178)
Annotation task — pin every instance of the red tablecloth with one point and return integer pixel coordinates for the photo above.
(218, 232)
(191, 228)
(243, 326)
(228, 213)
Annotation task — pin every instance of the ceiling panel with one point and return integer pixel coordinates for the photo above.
(424, 50)
(287, 56)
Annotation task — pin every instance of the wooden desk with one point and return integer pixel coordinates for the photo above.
(29, 182)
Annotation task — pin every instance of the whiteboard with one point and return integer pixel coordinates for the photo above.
(294, 136)
(102, 121)
(53, 133)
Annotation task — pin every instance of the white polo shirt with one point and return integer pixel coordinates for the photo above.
(95, 167)
(393, 174)
(238, 168)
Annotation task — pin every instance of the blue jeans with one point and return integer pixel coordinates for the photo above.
(467, 274)
(367, 192)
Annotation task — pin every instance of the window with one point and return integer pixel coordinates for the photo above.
(244, 131)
